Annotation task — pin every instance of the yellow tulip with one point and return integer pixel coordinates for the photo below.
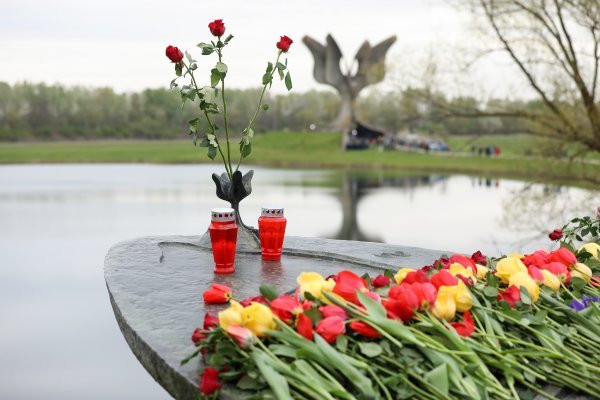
(258, 318)
(516, 255)
(481, 271)
(509, 266)
(458, 269)
(231, 316)
(314, 284)
(400, 275)
(551, 280)
(462, 297)
(445, 306)
(580, 270)
(593, 249)
(523, 279)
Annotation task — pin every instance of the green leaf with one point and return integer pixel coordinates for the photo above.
(203, 45)
(178, 69)
(215, 77)
(341, 343)
(245, 149)
(525, 297)
(267, 78)
(275, 380)
(265, 107)
(269, 291)
(206, 51)
(490, 292)
(248, 383)
(438, 378)
(187, 55)
(194, 66)
(288, 81)
(281, 66)
(212, 152)
(370, 349)
(221, 67)
(250, 133)
(228, 38)
(269, 67)
(173, 84)
(193, 124)
(280, 72)
(374, 308)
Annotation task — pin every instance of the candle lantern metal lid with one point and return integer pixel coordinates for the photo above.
(272, 211)
(222, 214)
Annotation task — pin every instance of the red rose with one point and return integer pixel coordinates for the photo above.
(197, 336)
(479, 258)
(443, 278)
(217, 27)
(174, 54)
(217, 294)
(210, 321)
(346, 285)
(330, 311)
(304, 326)
(209, 381)
(364, 329)
(510, 295)
(465, 328)
(284, 43)
(330, 328)
(556, 234)
(286, 307)
(445, 262)
(380, 281)
(564, 256)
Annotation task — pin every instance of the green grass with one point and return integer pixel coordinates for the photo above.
(312, 150)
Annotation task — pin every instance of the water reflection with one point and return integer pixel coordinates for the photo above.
(58, 221)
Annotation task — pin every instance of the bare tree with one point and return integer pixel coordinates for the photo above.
(556, 46)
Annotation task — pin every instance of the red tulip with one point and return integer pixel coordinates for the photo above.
(537, 258)
(510, 295)
(564, 256)
(346, 285)
(304, 326)
(209, 381)
(464, 261)
(217, 27)
(197, 336)
(479, 258)
(417, 276)
(380, 281)
(558, 269)
(330, 311)
(443, 278)
(364, 329)
(465, 328)
(254, 299)
(402, 303)
(426, 294)
(210, 321)
(286, 307)
(243, 336)
(217, 294)
(535, 273)
(330, 328)
(284, 43)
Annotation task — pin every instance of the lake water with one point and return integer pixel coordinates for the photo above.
(59, 338)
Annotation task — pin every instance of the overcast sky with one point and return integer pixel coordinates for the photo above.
(120, 43)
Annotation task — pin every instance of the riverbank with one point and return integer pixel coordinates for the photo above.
(306, 150)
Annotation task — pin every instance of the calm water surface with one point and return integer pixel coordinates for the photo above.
(59, 338)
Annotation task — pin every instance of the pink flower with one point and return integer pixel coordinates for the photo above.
(330, 328)
(243, 336)
(330, 311)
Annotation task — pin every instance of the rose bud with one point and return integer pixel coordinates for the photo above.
(330, 328)
(284, 43)
(217, 27)
(380, 281)
(197, 336)
(210, 321)
(174, 54)
(209, 381)
(217, 294)
(304, 326)
(243, 336)
(556, 234)
(479, 258)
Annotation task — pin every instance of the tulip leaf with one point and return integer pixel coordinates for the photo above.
(438, 378)
(341, 343)
(491, 292)
(269, 291)
(275, 380)
(374, 308)
(370, 349)
(525, 297)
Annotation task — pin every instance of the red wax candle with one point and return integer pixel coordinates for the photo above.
(223, 237)
(271, 229)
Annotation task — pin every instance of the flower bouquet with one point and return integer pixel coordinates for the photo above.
(464, 327)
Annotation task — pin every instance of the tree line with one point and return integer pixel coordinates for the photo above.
(37, 111)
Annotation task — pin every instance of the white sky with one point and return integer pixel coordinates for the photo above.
(120, 43)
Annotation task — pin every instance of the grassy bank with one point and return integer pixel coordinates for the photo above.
(307, 150)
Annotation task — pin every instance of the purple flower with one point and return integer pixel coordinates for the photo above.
(577, 305)
(588, 300)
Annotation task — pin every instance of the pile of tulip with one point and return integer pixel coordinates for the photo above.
(464, 327)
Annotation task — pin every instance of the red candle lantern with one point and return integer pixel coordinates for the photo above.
(223, 237)
(271, 229)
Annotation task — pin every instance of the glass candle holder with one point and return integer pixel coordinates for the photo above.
(223, 238)
(271, 230)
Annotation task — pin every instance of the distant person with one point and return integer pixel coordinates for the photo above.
(480, 151)
(496, 150)
(488, 151)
